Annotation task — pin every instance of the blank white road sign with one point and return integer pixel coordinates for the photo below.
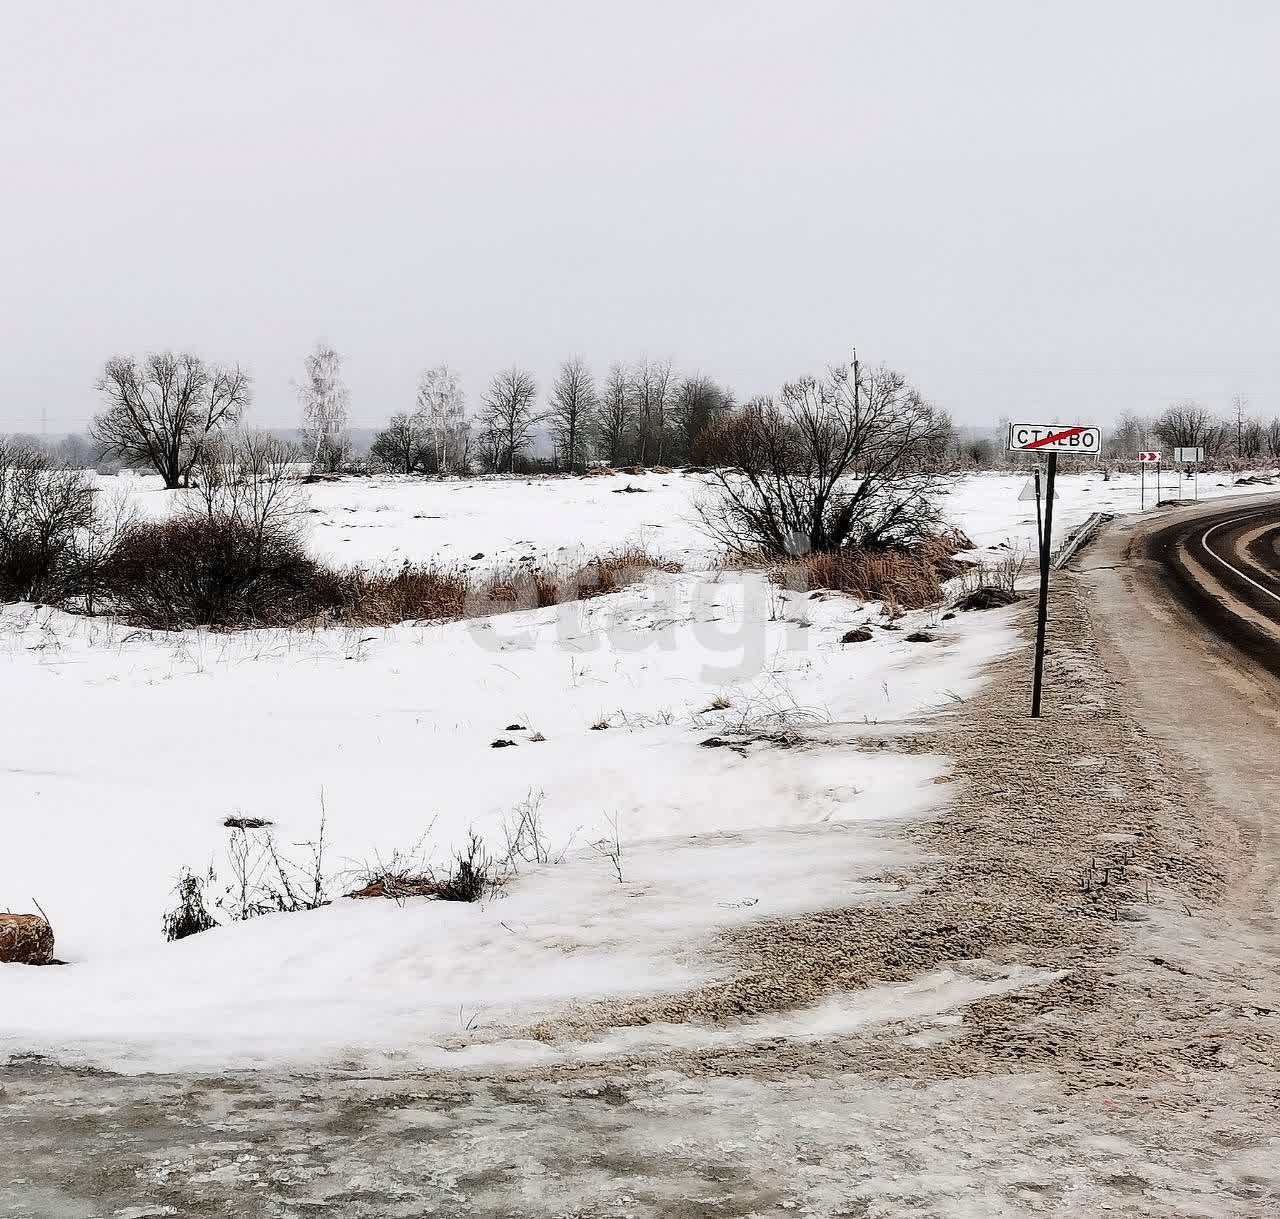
(1055, 438)
(1188, 455)
(1029, 492)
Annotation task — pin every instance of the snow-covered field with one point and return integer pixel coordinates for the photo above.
(122, 752)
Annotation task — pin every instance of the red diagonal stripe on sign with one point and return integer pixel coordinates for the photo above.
(1071, 431)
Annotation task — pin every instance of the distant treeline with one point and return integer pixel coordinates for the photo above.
(160, 412)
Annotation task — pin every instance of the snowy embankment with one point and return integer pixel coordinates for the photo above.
(124, 751)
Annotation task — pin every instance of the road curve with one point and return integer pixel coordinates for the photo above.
(1186, 611)
(1223, 565)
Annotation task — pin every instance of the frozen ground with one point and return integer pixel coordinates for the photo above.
(652, 1146)
(124, 751)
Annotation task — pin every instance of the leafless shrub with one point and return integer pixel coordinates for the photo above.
(770, 708)
(838, 461)
(1001, 574)
(610, 846)
(232, 556)
(264, 880)
(45, 514)
(525, 834)
(473, 875)
(191, 915)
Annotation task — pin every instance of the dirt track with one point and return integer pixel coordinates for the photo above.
(1095, 843)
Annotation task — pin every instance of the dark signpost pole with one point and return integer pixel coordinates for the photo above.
(1042, 617)
(1079, 440)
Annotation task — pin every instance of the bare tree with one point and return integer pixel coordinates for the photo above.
(324, 398)
(573, 405)
(1129, 437)
(75, 450)
(441, 416)
(400, 445)
(698, 403)
(491, 448)
(653, 387)
(162, 410)
(1188, 425)
(509, 413)
(1271, 438)
(1240, 413)
(1252, 440)
(836, 462)
(613, 417)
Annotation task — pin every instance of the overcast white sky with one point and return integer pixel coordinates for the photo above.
(1033, 209)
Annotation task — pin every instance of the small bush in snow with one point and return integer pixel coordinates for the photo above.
(264, 880)
(610, 846)
(191, 915)
(473, 874)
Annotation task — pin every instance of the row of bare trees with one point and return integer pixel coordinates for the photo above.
(1238, 435)
(643, 413)
(164, 410)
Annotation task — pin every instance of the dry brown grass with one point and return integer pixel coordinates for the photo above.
(422, 592)
(417, 592)
(903, 577)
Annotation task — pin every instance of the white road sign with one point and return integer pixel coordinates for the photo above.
(1188, 455)
(1054, 438)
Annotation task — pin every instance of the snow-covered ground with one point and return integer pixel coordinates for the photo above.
(122, 752)
(383, 521)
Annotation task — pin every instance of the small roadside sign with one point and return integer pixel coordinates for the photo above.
(1030, 493)
(1054, 438)
(1051, 438)
(1188, 455)
(1148, 457)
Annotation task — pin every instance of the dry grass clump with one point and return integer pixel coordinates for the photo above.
(610, 572)
(908, 577)
(530, 586)
(941, 550)
(417, 592)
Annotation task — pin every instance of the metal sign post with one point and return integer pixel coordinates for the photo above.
(1042, 614)
(1144, 460)
(1051, 439)
(1190, 457)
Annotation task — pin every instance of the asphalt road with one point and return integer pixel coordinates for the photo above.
(1223, 565)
